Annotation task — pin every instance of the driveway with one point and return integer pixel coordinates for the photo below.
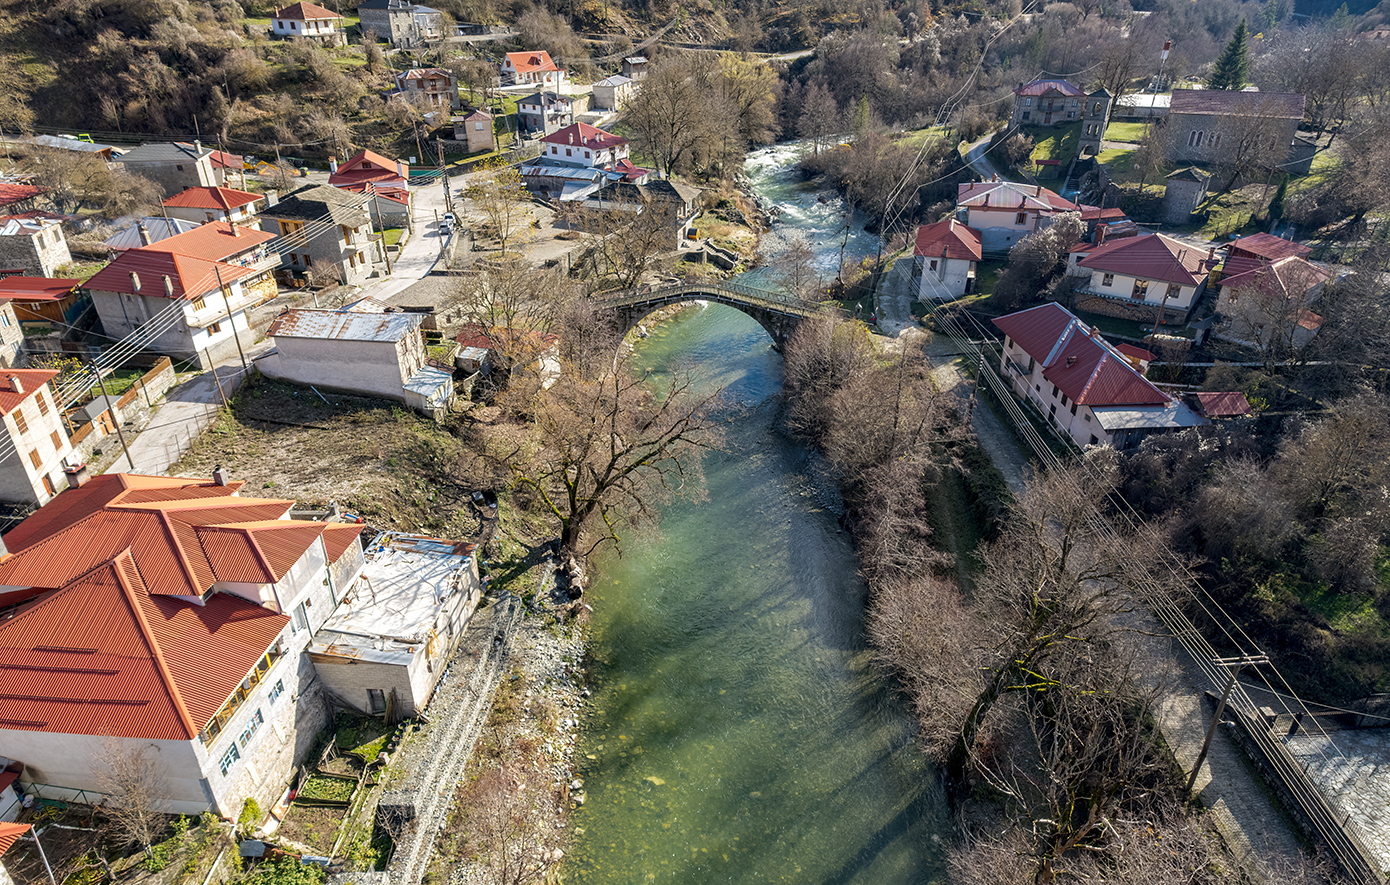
(975, 156)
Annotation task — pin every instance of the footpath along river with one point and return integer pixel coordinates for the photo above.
(738, 731)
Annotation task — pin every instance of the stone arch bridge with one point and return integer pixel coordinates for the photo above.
(779, 313)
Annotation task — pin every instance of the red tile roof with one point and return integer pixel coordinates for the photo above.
(1012, 196)
(584, 135)
(1223, 103)
(368, 166)
(37, 288)
(527, 62)
(1151, 257)
(1076, 359)
(30, 380)
(17, 193)
(1095, 213)
(948, 237)
(304, 12)
(339, 537)
(1042, 87)
(9, 833)
(1222, 404)
(188, 277)
(224, 198)
(108, 490)
(384, 191)
(1288, 276)
(101, 656)
(1137, 353)
(1268, 247)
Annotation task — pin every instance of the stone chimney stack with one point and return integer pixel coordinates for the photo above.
(16, 385)
(144, 234)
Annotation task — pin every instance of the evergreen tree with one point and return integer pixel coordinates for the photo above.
(1232, 69)
(1276, 205)
(1269, 17)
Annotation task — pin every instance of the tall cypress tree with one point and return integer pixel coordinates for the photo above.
(1232, 69)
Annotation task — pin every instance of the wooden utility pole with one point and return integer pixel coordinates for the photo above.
(444, 177)
(227, 300)
(1235, 665)
(115, 419)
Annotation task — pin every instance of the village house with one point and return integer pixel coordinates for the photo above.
(943, 260)
(677, 204)
(403, 24)
(203, 204)
(611, 93)
(214, 273)
(18, 196)
(580, 144)
(172, 166)
(44, 301)
(11, 334)
(484, 350)
(34, 441)
(1046, 103)
(306, 21)
(476, 130)
(377, 353)
(1090, 390)
(543, 112)
(10, 833)
(33, 246)
(385, 182)
(1147, 278)
(169, 613)
(1004, 212)
(1211, 126)
(635, 67)
(434, 87)
(1268, 305)
(577, 160)
(536, 68)
(224, 165)
(327, 230)
(387, 644)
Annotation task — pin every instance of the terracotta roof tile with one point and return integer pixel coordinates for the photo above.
(304, 12)
(9, 833)
(30, 381)
(224, 198)
(338, 538)
(957, 240)
(527, 62)
(1268, 247)
(584, 135)
(149, 266)
(1149, 257)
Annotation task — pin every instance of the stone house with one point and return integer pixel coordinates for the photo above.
(172, 166)
(1004, 212)
(535, 67)
(214, 273)
(1209, 126)
(676, 203)
(179, 612)
(1089, 389)
(204, 204)
(33, 436)
(476, 130)
(383, 181)
(1047, 102)
(11, 335)
(542, 113)
(307, 21)
(1151, 277)
(1095, 119)
(401, 23)
(33, 246)
(434, 87)
(1183, 193)
(943, 260)
(1269, 305)
(635, 67)
(611, 93)
(325, 227)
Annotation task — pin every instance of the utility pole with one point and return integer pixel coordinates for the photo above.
(385, 256)
(1235, 665)
(227, 300)
(116, 422)
(444, 178)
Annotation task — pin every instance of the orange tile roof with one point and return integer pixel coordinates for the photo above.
(304, 12)
(109, 489)
(9, 833)
(214, 241)
(30, 380)
(188, 277)
(101, 656)
(368, 166)
(37, 288)
(339, 537)
(950, 238)
(224, 198)
(526, 62)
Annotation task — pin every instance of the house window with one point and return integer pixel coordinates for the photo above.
(1021, 218)
(199, 303)
(933, 264)
(554, 149)
(1087, 416)
(290, 227)
(1096, 109)
(586, 155)
(1094, 441)
(57, 441)
(5, 320)
(1173, 290)
(294, 258)
(43, 403)
(19, 422)
(1054, 391)
(179, 167)
(308, 261)
(1073, 409)
(34, 458)
(568, 152)
(1194, 138)
(1214, 139)
(376, 700)
(478, 127)
(1141, 288)
(228, 758)
(214, 328)
(301, 617)
(252, 726)
(276, 690)
(1028, 102)
(1031, 363)
(1107, 280)
(1071, 115)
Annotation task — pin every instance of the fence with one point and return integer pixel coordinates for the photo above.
(133, 407)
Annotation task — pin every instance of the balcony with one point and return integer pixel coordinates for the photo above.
(243, 691)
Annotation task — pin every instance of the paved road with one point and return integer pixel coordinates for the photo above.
(975, 156)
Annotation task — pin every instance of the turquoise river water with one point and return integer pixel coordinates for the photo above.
(738, 731)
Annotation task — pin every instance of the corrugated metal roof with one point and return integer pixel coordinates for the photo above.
(369, 166)
(214, 241)
(1037, 329)
(157, 229)
(1268, 247)
(584, 135)
(30, 380)
(1173, 415)
(1220, 404)
(9, 833)
(1011, 195)
(305, 12)
(1291, 277)
(17, 193)
(1223, 103)
(166, 152)
(339, 537)
(344, 326)
(1150, 257)
(36, 288)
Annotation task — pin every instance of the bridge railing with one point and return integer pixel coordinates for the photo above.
(722, 290)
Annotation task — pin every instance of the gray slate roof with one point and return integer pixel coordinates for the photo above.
(167, 152)
(1221, 103)
(313, 201)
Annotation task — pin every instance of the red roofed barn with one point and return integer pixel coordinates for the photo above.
(167, 613)
(943, 262)
(1082, 385)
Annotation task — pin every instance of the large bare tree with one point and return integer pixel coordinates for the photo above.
(136, 788)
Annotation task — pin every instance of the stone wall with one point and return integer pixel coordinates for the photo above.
(1139, 311)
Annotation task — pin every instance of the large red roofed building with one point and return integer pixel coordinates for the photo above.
(943, 260)
(580, 144)
(1005, 212)
(167, 613)
(1150, 278)
(205, 204)
(1088, 389)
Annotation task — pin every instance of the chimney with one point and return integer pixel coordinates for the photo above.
(144, 234)
(219, 475)
(197, 146)
(168, 286)
(1100, 234)
(135, 282)
(236, 231)
(1071, 361)
(16, 385)
(332, 164)
(77, 475)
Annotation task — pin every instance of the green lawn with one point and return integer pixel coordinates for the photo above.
(118, 382)
(392, 235)
(1126, 131)
(1054, 142)
(1118, 162)
(917, 137)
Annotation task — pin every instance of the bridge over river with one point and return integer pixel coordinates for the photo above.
(778, 312)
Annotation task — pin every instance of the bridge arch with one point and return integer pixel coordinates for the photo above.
(778, 313)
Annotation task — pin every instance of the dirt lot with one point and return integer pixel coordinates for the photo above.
(313, 828)
(373, 457)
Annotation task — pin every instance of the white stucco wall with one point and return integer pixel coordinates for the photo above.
(368, 367)
(66, 760)
(1076, 420)
(999, 227)
(1121, 286)
(948, 280)
(20, 480)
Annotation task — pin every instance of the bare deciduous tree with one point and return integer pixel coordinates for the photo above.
(502, 200)
(507, 827)
(136, 787)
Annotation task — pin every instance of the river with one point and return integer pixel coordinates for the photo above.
(738, 731)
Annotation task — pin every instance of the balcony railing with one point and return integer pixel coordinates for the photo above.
(243, 691)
